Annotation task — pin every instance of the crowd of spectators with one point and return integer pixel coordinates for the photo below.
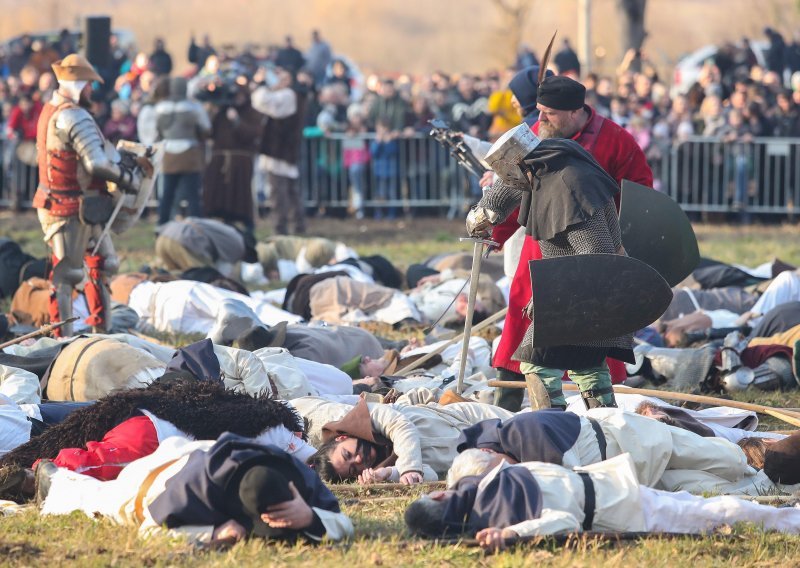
(737, 96)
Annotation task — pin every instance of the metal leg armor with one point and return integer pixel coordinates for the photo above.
(68, 243)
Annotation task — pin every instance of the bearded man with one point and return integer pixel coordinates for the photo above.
(563, 113)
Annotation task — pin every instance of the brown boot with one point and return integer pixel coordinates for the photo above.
(451, 396)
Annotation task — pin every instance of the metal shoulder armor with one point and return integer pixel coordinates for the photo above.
(88, 142)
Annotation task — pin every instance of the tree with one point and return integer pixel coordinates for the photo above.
(513, 16)
(634, 33)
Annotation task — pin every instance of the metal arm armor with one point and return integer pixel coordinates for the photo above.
(87, 140)
(501, 199)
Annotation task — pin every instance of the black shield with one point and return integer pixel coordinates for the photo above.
(657, 231)
(588, 297)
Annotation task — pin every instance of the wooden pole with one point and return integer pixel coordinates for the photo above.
(422, 360)
(786, 416)
(41, 331)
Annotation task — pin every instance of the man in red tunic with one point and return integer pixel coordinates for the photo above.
(562, 114)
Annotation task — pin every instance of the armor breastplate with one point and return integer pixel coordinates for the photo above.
(62, 177)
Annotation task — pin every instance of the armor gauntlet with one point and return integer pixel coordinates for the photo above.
(500, 199)
(88, 142)
(480, 221)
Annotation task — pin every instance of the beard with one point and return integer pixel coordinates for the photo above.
(548, 130)
(84, 101)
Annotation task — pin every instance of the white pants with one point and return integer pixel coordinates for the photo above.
(683, 512)
(71, 491)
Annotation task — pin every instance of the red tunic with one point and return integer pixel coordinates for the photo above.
(619, 154)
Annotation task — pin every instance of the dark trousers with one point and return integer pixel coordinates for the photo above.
(510, 399)
(177, 187)
(287, 201)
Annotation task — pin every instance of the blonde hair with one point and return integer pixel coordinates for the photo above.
(469, 462)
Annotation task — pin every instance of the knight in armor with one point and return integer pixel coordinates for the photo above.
(72, 199)
(566, 202)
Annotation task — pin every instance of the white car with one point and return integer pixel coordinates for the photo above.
(688, 68)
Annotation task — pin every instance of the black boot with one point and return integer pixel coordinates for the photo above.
(509, 399)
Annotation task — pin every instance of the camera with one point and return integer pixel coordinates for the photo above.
(220, 91)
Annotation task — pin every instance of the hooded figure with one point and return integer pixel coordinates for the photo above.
(524, 86)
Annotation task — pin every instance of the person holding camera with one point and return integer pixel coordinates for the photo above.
(182, 124)
(236, 129)
(277, 97)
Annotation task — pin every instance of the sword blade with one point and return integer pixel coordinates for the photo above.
(107, 228)
(477, 257)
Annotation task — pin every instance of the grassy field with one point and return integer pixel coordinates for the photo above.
(380, 540)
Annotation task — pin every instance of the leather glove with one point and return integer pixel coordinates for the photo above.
(480, 221)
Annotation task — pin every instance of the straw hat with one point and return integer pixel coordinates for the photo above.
(75, 67)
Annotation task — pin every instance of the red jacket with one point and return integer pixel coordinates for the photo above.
(619, 154)
(19, 122)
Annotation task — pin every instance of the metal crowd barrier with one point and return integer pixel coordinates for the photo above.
(704, 175)
(760, 176)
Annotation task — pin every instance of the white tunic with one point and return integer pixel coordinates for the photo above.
(126, 499)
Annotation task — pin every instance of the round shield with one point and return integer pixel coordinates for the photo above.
(657, 231)
(590, 297)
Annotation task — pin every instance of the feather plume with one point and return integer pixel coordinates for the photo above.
(546, 59)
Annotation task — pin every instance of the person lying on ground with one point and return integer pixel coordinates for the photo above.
(99, 440)
(665, 457)
(387, 442)
(732, 424)
(437, 374)
(195, 243)
(497, 501)
(210, 491)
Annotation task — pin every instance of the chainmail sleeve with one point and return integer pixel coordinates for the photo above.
(600, 234)
(83, 133)
(501, 199)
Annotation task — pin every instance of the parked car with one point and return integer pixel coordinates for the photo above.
(688, 68)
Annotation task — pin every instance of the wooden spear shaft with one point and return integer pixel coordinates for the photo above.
(422, 360)
(41, 331)
(786, 416)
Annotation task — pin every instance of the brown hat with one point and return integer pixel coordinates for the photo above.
(75, 67)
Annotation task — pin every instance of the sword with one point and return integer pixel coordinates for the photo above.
(111, 219)
(477, 257)
(149, 152)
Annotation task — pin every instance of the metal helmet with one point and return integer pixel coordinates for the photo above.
(773, 374)
(506, 155)
(739, 379)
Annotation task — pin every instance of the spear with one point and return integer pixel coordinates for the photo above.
(41, 331)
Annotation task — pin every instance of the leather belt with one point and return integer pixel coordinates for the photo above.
(589, 503)
(601, 438)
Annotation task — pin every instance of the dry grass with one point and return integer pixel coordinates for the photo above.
(380, 539)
